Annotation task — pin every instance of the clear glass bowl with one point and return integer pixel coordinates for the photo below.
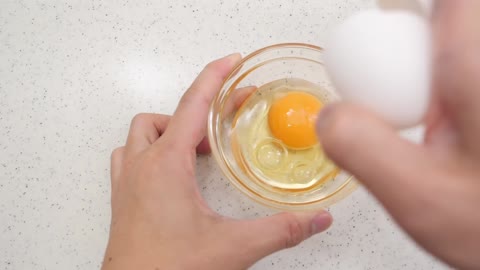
(277, 63)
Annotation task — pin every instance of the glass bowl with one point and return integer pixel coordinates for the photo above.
(293, 63)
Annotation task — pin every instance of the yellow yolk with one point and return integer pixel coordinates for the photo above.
(292, 119)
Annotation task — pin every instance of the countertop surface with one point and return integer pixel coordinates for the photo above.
(74, 73)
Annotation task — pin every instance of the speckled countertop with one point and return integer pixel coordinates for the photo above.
(72, 75)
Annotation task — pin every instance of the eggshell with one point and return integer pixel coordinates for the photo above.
(382, 60)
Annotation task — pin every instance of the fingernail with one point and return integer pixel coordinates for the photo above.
(234, 57)
(321, 222)
(323, 120)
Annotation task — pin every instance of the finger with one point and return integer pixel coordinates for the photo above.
(388, 165)
(231, 106)
(116, 166)
(265, 236)
(145, 129)
(456, 26)
(189, 123)
(239, 96)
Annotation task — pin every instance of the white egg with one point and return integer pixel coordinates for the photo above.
(382, 60)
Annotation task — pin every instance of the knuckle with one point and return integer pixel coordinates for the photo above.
(117, 152)
(139, 119)
(294, 231)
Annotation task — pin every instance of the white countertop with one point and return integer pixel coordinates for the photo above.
(72, 75)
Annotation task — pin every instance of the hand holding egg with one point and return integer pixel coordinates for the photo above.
(381, 60)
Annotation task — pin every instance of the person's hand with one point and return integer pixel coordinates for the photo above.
(160, 221)
(432, 190)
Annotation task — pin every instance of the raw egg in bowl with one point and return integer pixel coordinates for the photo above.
(262, 129)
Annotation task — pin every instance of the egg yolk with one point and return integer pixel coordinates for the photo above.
(292, 119)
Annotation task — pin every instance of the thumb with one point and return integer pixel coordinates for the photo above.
(388, 165)
(268, 235)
